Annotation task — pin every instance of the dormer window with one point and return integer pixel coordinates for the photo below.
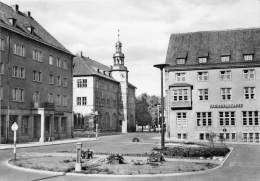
(30, 29)
(225, 58)
(98, 70)
(12, 21)
(180, 61)
(203, 59)
(248, 57)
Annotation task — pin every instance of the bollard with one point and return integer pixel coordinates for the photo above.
(78, 157)
(96, 131)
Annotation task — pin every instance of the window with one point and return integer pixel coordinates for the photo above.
(179, 135)
(251, 137)
(233, 136)
(51, 79)
(50, 98)
(59, 80)
(182, 119)
(257, 137)
(84, 101)
(249, 92)
(65, 101)
(203, 59)
(201, 136)
(58, 100)
(65, 82)
(37, 55)
(180, 94)
(82, 83)
(225, 58)
(18, 94)
(37, 76)
(184, 135)
(25, 125)
(63, 124)
(202, 76)
(18, 72)
(2, 44)
(1, 68)
(250, 118)
(225, 93)
(78, 101)
(180, 76)
(19, 50)
(1, 93)
(249, 74)
(58, 62)
(204, 119)
(225, 75)
(65, 64)
(51, 60)
(227, 118)
(203, 94)
(56, 125)
(245, 137)
(180, 61)
(248, 57)
(36, 97)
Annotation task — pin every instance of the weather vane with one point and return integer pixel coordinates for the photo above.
(118, 34)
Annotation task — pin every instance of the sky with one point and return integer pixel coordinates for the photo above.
(145, 27)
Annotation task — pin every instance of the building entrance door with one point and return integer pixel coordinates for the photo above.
(37, 127)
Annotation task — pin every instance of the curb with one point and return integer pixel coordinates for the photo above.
(120, 176)
(48, 144)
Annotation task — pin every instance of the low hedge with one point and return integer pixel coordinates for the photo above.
(206, 152)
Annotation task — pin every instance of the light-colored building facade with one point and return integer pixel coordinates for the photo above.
(212, 85)
(105, 91)
(35, 80)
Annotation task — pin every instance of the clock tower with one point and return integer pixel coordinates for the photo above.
(120, 73)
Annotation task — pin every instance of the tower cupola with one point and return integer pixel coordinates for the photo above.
(118, 55)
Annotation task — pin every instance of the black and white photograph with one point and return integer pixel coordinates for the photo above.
(129, 90)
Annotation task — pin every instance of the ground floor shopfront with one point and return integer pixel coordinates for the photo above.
(230, 125)
(35, 125)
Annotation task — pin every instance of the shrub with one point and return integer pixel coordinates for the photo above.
(155, 157)
(194, 151)
(135, 139)
(115, 159)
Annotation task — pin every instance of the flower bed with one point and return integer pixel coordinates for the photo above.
(101, 165)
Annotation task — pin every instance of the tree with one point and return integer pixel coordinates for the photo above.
(146, 110)
(142, 114)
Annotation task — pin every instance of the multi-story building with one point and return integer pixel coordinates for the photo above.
(105, 91)
(213, 85)
(35, 79)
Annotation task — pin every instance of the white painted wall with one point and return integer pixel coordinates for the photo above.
(214, 84)
(83, 92)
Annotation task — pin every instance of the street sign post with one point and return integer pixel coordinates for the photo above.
(14, 129)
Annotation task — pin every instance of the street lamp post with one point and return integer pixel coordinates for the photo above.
(161, 67)
(95, 122)
(14, 129)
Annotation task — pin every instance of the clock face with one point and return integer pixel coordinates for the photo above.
(122, 75)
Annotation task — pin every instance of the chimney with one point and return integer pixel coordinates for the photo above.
(28, 13)
(15, 7)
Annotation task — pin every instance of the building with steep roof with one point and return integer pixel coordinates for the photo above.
(212, 85)
(99, 89)
(35, 79)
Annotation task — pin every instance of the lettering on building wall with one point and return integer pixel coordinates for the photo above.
(226, 106)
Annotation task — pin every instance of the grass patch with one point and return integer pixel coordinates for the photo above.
(99, 165)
